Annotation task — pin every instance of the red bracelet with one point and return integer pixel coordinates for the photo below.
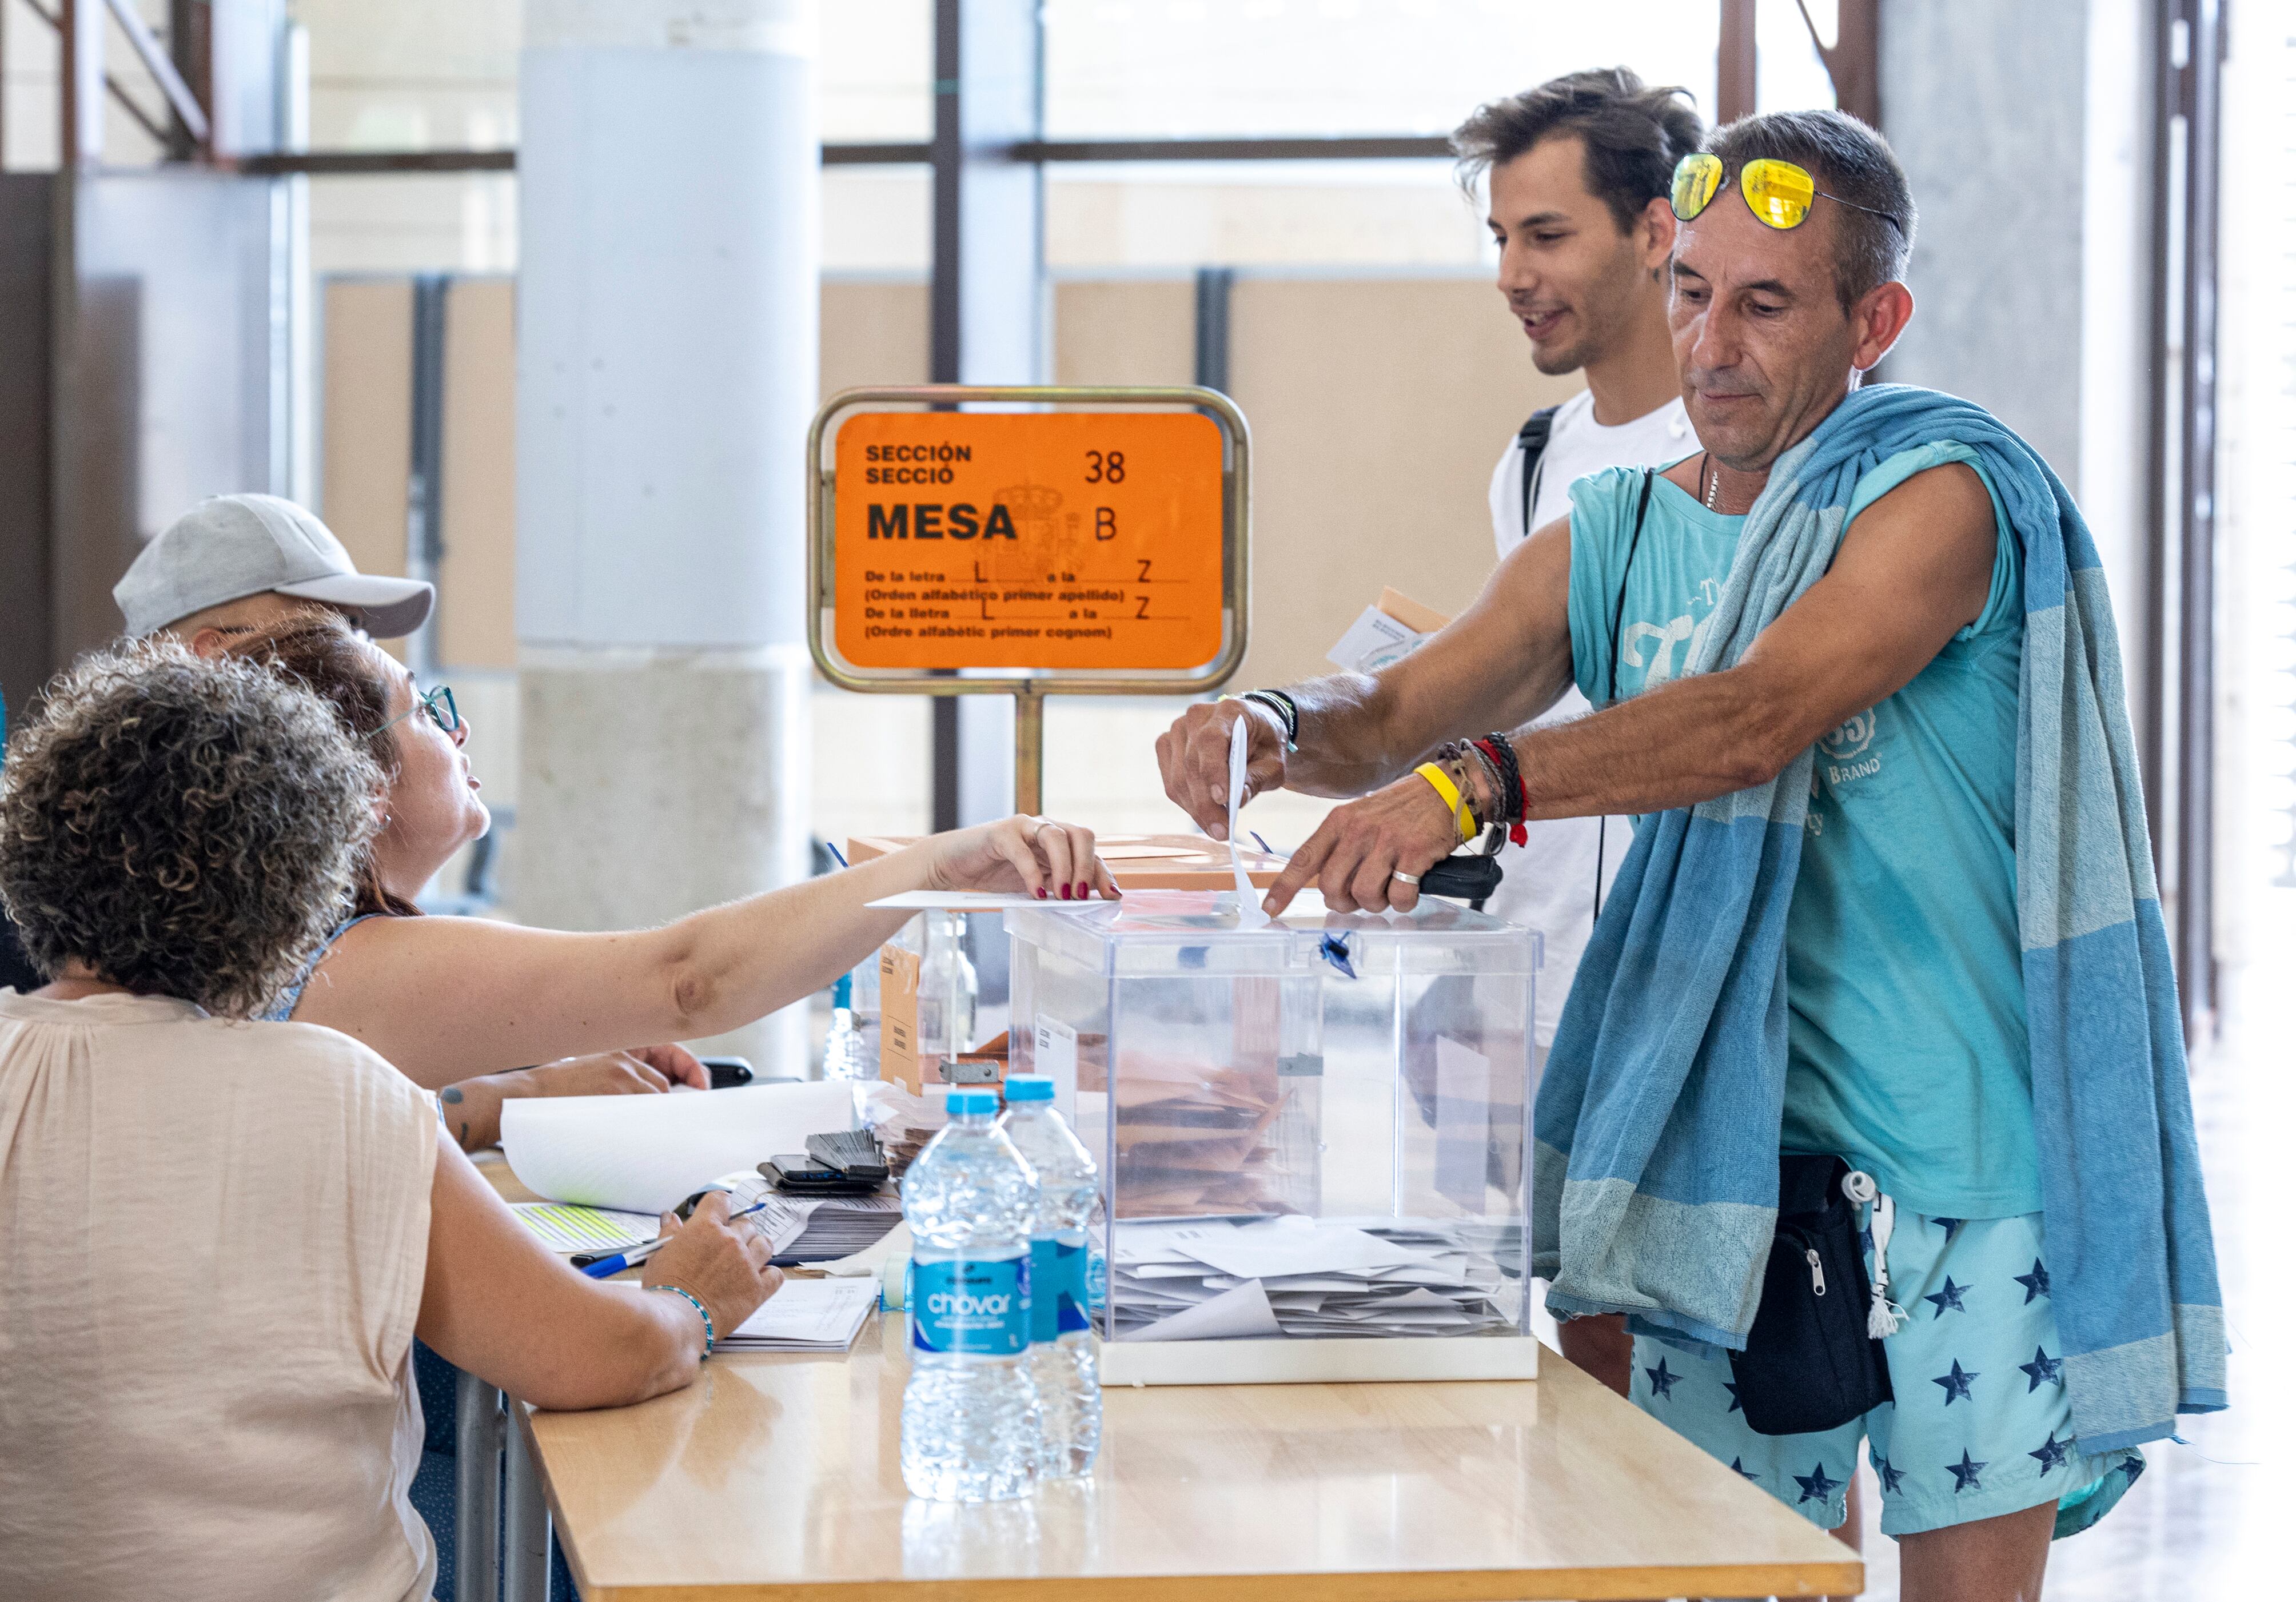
(1516, 833)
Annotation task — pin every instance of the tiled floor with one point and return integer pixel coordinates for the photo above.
(2213, 1519)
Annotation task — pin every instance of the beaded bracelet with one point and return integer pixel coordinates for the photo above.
(709, 1330)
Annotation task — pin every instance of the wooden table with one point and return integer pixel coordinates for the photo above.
(779, 1477)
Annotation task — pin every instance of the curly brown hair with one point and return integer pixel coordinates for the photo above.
(182, 827)
(321, 654)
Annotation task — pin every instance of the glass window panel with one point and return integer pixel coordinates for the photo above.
(412, 75)
(876, 219)
(443, 74)
(1789, 74)
(414, 223)
(876, 69)
(1261, 213)
(1139, 69)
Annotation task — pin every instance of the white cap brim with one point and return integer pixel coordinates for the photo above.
(387, 608)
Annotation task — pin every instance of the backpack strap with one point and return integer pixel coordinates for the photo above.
(1531, 439)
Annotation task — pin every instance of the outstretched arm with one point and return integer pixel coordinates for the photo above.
(1913, 571)
(1500, 664)
(446, 999)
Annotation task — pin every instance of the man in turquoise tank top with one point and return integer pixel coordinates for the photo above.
(1887, 680)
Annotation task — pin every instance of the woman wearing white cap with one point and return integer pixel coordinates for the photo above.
(234, 565)
(237, 562)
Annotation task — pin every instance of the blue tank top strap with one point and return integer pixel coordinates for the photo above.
(294, 993)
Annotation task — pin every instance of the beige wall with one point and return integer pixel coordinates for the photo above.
(366, 401)
(477, 514)
(1124, 331)
(1378, 407)
(874, 332)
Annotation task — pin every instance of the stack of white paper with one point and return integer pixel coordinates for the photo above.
(812, 1228)
(807, 1314)
(1215, 1280)
(646, 1153)
(841, 1226)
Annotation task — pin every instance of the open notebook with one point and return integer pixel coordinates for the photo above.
(808, 1315)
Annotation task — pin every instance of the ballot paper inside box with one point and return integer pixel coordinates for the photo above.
(1313, 1135)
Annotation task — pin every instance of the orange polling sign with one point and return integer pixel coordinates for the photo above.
(1028, 539)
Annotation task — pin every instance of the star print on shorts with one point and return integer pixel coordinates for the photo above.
(1982, 1424)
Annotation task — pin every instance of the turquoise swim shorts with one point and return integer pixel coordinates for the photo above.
(1980, 1426)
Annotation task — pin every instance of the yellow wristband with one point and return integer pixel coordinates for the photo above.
(1460, 813)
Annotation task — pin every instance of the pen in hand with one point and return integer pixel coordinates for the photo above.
(606, 1267)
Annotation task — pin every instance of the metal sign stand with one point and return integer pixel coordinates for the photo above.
(1026, 684)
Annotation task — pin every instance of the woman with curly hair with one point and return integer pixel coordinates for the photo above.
(205, 1385)
(445, 997)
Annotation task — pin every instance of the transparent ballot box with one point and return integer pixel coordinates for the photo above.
(1313, 1134)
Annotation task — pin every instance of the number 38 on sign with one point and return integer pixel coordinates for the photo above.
(1047, 541)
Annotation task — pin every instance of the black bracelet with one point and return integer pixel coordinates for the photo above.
(1286, 711)
(1510, 774)
(1497, 812)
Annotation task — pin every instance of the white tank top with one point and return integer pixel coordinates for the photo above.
(212, 1244)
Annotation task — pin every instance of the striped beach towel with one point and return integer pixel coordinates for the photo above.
(1655, 1180)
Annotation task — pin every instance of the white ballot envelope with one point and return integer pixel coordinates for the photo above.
(1386, 633)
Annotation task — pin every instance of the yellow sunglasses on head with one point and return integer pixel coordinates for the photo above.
(1777, 193)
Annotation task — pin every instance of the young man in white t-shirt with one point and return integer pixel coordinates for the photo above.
(1577, 176)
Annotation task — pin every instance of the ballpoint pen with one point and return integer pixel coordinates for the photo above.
(602, 1268)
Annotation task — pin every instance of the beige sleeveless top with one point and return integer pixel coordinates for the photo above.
(212, 1238)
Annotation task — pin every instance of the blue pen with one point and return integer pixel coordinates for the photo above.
(606, 1268)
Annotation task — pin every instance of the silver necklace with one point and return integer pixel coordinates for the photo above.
(1714, 489)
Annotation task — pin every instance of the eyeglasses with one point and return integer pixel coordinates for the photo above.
(439, 703)
(1777, 193)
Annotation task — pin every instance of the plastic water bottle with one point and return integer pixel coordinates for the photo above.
(1061, 1353)
(845, 1055)
(949, 990)
(969, 1429)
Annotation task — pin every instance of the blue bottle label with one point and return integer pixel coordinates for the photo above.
(976, 1308)
(1059, 1293)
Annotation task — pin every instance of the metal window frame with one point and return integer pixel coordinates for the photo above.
(2179, 683)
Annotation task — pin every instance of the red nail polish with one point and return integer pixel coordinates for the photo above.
(1041, 894)
(1064, 892)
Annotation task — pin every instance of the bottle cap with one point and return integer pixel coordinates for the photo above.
(964, 1101)
(1027, 1087)
(841, 994)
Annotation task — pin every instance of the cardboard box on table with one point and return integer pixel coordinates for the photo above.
(1314, 1134)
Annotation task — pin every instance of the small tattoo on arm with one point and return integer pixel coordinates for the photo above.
(451, 1094)
(462, 1138)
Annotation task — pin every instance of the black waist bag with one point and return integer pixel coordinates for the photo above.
(1809, 1363)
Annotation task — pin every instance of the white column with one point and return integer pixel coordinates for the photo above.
(668, 358)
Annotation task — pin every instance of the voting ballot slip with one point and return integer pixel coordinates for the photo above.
(1218, 1280)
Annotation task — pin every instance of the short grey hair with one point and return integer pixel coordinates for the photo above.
(1851, 162)
(182, 827)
